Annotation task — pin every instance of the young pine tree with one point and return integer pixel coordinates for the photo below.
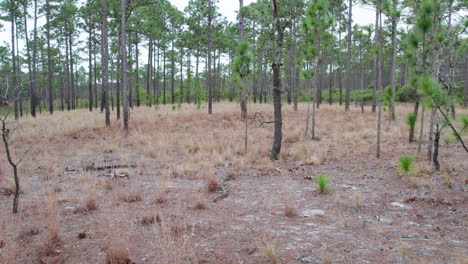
(241, 66)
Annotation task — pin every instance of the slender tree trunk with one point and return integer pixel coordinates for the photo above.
(172, 73)
(105, 62)
(436, 148)
(95, 78)
(181, 75)
(67, 60)
(340, 76)
(13, 58)
(28, 54)
(130, 73)
(276, 67)
(374, 88)
(72, 75)
(164, 75)
(123, 55)
(49, 60)
(393, 64)
(34, 65)
(149, 72)
(348, 60)
(137, 75)
(208, 75)
(90, 64)
(379, 121)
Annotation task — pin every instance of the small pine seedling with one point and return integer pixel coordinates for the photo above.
(322, 183)
(405, 164)
(411, 120)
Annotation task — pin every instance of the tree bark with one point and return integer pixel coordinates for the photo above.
(393, 63)
(13, 58)
(105, 62)
(276, 67)
(208, 74)
(348, 61)
(123, 54)
(137, 75)
(90, 63)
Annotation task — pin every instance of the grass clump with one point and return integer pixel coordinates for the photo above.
(322, 183)
(406, 164)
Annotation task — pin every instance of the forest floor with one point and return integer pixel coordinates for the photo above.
(183, 159)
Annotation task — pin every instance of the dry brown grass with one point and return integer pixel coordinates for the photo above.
(131, 197)
(212, 184)
(182, 146)
(53, 227)
(269, 252)
(91, 204)
(117, 254)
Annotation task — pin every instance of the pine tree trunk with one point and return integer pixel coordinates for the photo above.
(13, 59)
(393, 64)
(208, 75)
(348, 60)
(172, 73)
(123, 56)
(90, 65)
(276, 67)
(28, 55)
(105, 63)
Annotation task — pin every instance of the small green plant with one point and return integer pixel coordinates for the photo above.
(173, 107)
(405, 164)
(156, 107)
(411, 120)
(448, 141)
(322, 183)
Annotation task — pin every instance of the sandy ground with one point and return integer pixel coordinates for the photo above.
(183, 159)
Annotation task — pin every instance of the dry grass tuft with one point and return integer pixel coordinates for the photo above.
(53, 228)
(289, 211)
(131, 198)
(357, 200)
(199, 205)
(212, 184)
(269, 252)
(117, 254)
(91, 204)
(148, 220)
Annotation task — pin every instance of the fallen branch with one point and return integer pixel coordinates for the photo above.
(115, 175)
(92, 167)
(224, 193)
(262, 119)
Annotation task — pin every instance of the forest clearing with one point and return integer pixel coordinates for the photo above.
(243, 132)
(164, 211)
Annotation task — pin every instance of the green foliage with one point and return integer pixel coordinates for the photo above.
(387, 96)
(407, 93)
(411, 120)
(242, 60)
(424, 21)
(143, 96)
(464, 122)
(405, 164)
(429, 87)
(322, 183)
(448, 141)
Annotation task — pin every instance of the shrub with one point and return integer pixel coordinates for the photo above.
(322, 183)
(405, 164)
(406, 93)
